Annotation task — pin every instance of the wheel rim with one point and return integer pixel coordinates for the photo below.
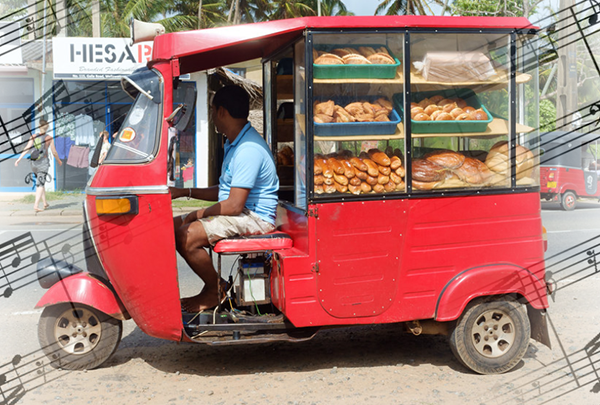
(77, 331)
(570, 200)
(493, 334)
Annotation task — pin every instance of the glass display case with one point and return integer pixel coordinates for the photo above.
(403, 112)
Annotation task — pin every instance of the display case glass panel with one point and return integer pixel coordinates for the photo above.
(358, 140)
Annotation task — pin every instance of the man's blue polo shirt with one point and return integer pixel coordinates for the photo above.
(249, 164)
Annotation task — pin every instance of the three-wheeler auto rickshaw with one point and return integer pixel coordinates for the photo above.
(568, 167)
(387, 214)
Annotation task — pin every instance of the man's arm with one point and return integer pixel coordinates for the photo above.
(207, 194)
(231, 206)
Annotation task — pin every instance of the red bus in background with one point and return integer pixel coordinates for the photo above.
(569, 169)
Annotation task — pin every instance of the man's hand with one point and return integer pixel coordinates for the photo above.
(177, 192)
(194, 216)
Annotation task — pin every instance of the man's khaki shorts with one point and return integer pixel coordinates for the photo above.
(224, 226)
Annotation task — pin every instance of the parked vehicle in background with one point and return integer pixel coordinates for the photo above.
(569, 170)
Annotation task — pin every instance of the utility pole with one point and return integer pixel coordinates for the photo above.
(96, 18)
(566, 102)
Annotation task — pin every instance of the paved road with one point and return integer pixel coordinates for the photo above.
(373, 364)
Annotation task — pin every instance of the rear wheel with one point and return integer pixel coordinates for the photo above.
(568, 201)
(76, 337)
(492, 335)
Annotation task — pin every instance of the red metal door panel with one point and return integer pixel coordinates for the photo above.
(359, 247)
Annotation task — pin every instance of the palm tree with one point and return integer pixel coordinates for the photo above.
(292, 8)
(405, 7)
(330, 7)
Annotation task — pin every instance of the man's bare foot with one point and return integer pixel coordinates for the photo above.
(200, 302)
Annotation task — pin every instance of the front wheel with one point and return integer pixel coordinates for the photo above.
(568, 201)
(491, 336)
(77, 337)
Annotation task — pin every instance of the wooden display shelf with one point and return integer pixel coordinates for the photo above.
(501, 78)
(497, 127)
(285, 87)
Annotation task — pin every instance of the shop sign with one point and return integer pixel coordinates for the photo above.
(98, 58)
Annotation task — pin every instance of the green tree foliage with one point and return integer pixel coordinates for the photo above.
(494, 8)
(404, 7)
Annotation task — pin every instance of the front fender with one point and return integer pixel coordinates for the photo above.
(83, 288)
(496, 279)
(567, 187)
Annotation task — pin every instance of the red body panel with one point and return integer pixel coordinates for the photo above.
(567, 179)
(84, 289)
(390, 261)
(138, 251)
(213, 47)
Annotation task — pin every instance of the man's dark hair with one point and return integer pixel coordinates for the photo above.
(234, 99)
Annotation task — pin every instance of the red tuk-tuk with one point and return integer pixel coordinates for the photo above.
(569, 170)
(433, 224)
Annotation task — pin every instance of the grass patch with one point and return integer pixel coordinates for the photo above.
(192, 203)
(50, 196)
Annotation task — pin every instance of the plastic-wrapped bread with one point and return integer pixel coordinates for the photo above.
(340, 179)
(385, 170)
(473, 171)
(379, 157)
(360, 174)
(372, 167)
(354, 189)
(359, 164)
(498, 162)
(340, 188)
(348, 168)
(335, 165)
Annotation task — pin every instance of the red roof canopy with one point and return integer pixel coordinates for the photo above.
(208, 48)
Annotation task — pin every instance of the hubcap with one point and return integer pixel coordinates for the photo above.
(493, 333)
(77, 331)
(570, 200)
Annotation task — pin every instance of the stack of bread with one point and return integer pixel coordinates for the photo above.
(285, 156)
(446, 169)
(327, 112)
(363, 55)
(498, 162)
(371, 172)
(449, 169)
(439, 108)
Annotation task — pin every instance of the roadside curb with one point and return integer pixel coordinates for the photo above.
(74, 212)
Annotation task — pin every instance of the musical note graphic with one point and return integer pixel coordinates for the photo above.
(16, 251)
(593, 19)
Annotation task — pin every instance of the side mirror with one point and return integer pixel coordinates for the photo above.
(182, 115)
(96, 155)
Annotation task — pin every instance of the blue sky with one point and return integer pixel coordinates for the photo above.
(362, 7)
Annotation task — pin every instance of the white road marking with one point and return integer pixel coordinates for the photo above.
(575, 230)
(37, 311)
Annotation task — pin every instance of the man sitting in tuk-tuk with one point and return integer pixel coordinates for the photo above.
(246, 195)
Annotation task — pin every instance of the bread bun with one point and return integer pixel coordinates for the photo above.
(414, 105)
(329, 59)
(378, 188)
(422, 117)
(379, 157)
(444, 116)
(478, 115)
(319, 189)
(445, 101)
(381, 59)
(436, 114)
(456, 112)
(449, 107)
(365, 187)
(460, 102)
(366, 51)
(436, 99)
(462, 117)
(341, 52)
(354, 189)
(389, 187)
(430, 109)
(395, 162)
(468, 109)
(324, 107)
(355, 59)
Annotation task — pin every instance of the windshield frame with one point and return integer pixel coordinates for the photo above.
(151, 108)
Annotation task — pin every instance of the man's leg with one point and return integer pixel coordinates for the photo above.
(191, 240)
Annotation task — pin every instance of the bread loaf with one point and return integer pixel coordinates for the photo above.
(379, 157)
(473, 171)
(498, 162)
(426, 171)
(372, 180)
(359, 164)
(348, 168)
(372, 167)
(360, 174)
(335, 165)
(319, 189)
(395, 162)
(385, 170)
(354, 189)
(340, 188)
(378, 188)
(389, 187)
(355, 181)
(365, 187)
(447, 159)
(340, 179)
(319, 179)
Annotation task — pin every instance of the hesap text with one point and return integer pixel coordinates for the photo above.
(109, 53)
